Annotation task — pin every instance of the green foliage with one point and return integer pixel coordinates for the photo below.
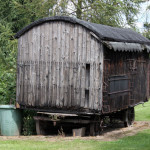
(7, 88)
(14, 15)
(8, 48)
(28, 122)
(146, 33)
(20, 13)
(146, 25)
(28, 11)
(108, 12)
(130, 9)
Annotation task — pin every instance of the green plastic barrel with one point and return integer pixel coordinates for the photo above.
(10, 120)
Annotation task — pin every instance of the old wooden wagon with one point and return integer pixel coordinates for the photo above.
(81, 71)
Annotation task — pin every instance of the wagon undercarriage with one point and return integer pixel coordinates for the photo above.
(79, 125)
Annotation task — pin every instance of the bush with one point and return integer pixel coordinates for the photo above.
(28, 123)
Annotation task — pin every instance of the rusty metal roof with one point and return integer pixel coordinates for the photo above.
(105, 33)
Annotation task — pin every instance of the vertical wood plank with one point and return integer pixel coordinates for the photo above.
(78, 93)
(25, 68)
(58, 62)
(30, 69)
(35, 73)
(83, 67)
(66, 94)
(50, 75)
(88, 55)
(34, 63)
(71, 53)
(95, 75)
(101, 74)
(47, 62)
(38, 57)
(88, 43)
(20, 73)
(75, 64)
(91, 100)
(62, 59)
(54, 40)
(41, 62)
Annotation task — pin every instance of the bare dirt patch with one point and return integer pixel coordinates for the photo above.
(109, 134)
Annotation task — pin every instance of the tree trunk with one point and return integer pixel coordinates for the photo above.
(79, 9)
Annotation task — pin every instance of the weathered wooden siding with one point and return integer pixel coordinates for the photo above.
(132, 67)
(60, 65)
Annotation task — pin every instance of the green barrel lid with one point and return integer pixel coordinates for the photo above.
(7, 107)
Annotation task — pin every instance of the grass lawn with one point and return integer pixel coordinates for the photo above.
(140, 141)
(142, 112)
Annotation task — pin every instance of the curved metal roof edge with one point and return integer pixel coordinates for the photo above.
(58, 18)
(86, 24)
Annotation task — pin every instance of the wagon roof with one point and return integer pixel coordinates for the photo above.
(104, 32)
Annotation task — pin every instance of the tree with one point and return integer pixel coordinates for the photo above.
(146, 32)
(146, 25)
(20, 13)
(8, 46)
(14, 15)
(108, 12)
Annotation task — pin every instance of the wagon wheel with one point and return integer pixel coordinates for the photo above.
(129, 117)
